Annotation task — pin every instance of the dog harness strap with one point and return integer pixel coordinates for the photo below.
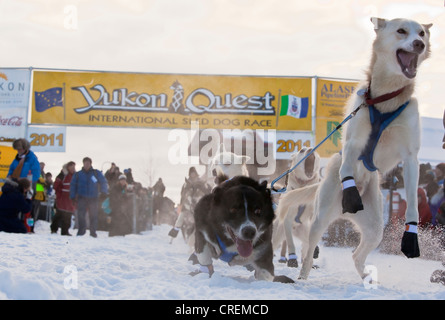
(225, 256)
(379, 121)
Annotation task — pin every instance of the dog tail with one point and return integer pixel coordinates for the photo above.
(297, 197)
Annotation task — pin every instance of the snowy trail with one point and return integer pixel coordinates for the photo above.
(146, 266)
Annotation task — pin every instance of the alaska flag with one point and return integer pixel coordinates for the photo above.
(48, 99)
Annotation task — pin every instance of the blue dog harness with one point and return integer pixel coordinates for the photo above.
(379, 121)
(225, 256)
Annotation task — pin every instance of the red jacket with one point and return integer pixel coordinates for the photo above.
(62, 188)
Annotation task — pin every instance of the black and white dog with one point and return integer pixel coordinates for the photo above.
(234, 224)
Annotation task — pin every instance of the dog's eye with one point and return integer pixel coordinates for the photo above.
(401, 31)
(422, 33)
(257, 212)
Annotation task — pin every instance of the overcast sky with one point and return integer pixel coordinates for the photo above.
(240, 37)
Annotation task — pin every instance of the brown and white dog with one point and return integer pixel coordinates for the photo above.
(234, 224)
(384, 132)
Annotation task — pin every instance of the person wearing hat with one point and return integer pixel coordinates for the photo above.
(86, 188)
(64, 206)
(121, 208)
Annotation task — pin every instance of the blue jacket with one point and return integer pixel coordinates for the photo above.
(31, 163)
(88, 184)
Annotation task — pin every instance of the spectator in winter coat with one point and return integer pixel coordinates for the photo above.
(87, 187)
(25, 162)
(64, 206)
(13, 201)
(121, 208)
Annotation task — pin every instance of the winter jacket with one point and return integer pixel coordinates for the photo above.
(88, 184)
(62, 189)
(12, 202)
(31, 163)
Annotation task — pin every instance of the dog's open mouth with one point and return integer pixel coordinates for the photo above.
(244, 247)
(309, 164)
(408, 62)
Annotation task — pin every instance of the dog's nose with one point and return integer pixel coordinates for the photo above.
(418, 46)
(248, 232)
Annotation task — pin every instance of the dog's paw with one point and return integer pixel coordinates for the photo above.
(203, 269)
(292, 261)
(410, 242)
(193, 258)
(316, 252)
(173, 232)
(282, 260)
(283, 279)
(438, 276)
(351, 201)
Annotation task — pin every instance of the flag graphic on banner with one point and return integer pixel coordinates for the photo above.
(294, 106)
(52, 97)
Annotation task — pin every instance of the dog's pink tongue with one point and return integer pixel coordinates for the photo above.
(244, 247)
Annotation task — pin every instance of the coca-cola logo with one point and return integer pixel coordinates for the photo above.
(14, 121)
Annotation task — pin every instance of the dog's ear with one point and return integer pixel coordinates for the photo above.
(264, 189)
(427, 27)
(378, 23)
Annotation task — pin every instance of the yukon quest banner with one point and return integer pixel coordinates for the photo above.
(171, 101)
(332, 96)
(14, 100)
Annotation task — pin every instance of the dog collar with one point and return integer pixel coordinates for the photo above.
(382, 98)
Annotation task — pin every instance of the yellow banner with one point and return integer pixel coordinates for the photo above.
(171, 100)
(332, 96)
(7, 155)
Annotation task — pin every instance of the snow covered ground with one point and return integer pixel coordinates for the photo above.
(147, 266)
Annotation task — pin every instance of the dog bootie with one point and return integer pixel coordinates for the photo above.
(173, 232)
(351, 202)
(410, 243)
(292, 262)
(282, 260)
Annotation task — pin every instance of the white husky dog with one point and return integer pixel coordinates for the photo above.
(293, 217)
(227, 164)
(384, 132)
